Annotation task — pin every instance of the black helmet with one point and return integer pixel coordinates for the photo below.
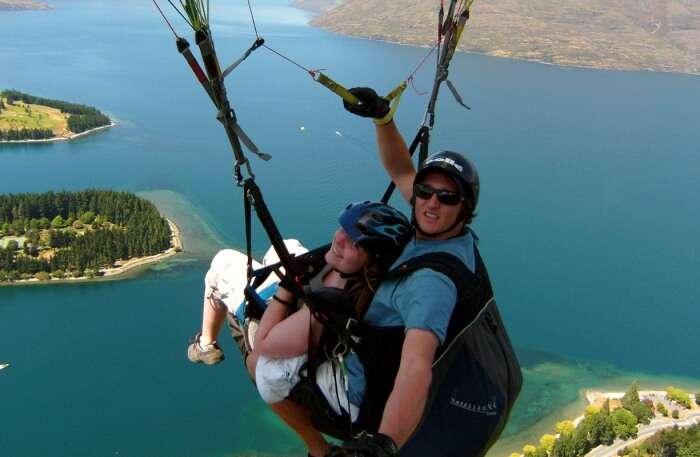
(377, 227)
(457, 167)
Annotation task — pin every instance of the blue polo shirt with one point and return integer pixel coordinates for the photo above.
(423, 299)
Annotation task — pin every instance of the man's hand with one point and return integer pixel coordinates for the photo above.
(371, 104)
(377, 445)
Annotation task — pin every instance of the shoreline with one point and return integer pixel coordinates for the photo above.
(522, 59)
(61, 138)
(123, 266)
(508, 57)
(588, 397)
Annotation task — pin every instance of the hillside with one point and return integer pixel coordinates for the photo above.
(659, 35)
(24, 117)
(18, 5)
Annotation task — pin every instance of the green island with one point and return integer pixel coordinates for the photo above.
(633, 423)
(24, 117)
(80, 235)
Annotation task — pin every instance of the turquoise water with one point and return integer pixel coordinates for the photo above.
(588, 218)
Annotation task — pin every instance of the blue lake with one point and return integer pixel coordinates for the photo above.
(588, 219)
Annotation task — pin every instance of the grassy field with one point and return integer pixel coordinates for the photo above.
(19, 239)
(21, 115)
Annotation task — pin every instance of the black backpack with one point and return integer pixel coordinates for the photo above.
(476, 375)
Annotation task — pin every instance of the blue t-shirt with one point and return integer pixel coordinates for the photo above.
(423, 299)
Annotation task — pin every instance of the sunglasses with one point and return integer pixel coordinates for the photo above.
(446, 197)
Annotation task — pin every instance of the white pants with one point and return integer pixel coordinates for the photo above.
(226, 278)
(275, 379)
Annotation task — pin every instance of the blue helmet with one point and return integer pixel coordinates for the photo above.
(378, 228)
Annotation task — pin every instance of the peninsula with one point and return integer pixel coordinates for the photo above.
(20, 5)
(620, 423)
(68, 236)
(26, 118)
(658, 35)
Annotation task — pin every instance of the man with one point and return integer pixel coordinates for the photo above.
(443, 193)
(391, 372)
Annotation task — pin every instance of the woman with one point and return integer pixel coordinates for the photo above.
(370, 238)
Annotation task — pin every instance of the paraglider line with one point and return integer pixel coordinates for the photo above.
(252, 18)
(311, 72)
(165, 19)
(180, 13)
(420, 64)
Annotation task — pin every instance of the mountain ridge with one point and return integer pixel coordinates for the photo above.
(656, 35)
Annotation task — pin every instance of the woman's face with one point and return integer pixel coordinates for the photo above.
(344, 256)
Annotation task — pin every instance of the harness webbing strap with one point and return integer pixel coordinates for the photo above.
(213, 84)
(258, 42)
(334, 87)
(183, 46)
(254, 196)
(248, 234)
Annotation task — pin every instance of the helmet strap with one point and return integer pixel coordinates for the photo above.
(348, 275)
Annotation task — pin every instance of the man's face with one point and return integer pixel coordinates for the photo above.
(434, 217)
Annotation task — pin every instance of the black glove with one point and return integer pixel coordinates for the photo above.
(377, 445)
(371, 104)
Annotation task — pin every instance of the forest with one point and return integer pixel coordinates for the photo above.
(61, 234)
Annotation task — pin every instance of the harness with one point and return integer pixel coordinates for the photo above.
(476, 376)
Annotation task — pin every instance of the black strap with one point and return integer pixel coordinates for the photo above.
(248, 235)
(424, 144)
(253, 197)
(448, 264)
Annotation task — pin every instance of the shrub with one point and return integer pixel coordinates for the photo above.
(679, 396)
(529, 450)
(697, 398)
(592, 410)
(58, 274)
(547, 441)
(87, 217)
(42, 276)
(661, 408)
(565, 427)
(58, 222)
(675, 414)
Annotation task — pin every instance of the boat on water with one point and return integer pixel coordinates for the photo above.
(4, 365)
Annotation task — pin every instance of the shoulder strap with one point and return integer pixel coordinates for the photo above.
(448, 264)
